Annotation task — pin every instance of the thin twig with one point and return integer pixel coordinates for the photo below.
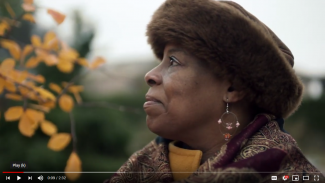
(39, 107)
(26, 86)
(111, 106)
(17, 19)
(73, 132)
(74, 79)
(25, 103)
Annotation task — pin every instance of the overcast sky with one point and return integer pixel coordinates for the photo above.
(120, 27)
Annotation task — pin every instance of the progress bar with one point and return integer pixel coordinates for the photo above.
(58, 172)
(166, 172)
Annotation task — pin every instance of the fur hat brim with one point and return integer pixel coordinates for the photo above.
(228, 37)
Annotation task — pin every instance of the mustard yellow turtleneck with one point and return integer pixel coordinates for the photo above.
(183, 162)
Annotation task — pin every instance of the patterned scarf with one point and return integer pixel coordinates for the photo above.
(261, 150)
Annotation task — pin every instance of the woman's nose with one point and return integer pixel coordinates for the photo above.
(153, 77)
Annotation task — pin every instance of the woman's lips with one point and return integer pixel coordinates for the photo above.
(151, 101)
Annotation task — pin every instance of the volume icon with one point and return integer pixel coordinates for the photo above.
(40, 177)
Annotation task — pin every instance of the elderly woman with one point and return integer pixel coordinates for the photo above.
(217, 99)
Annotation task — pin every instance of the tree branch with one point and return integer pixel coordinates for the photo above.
(74, 79)
(26, 86)
(73, 132)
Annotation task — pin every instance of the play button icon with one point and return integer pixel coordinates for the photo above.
(18, 178)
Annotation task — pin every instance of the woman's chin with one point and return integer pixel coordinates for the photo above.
(159, 128)
(155, 126)
(154, 110)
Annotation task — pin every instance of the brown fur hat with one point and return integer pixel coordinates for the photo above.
(236, 45)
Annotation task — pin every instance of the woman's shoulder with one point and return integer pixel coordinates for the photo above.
(273, 134)
(272, 137)
(141, 164)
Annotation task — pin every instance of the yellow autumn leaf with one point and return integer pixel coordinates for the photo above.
(2, 84)
(14, 113)
(77, 97)
(48, 128)
(39, 107)
(54, 44)
(97, 62)
(36, 41)
(65, 66)
(3, 27)
(13, 74)
(13, 47)
(45, 93)
(28, 7)
(49, 104)
(49, 36)
(15, 51)
(66, 103)
(76, 88)
(23, 90)
(32, 62)
(10, 10)
(41, 54)
(29, 17)
(73, 165)
(68, 54)
(32, 96)
(25, 126)
(21, 76)
(55, 87)
(59, 141)
(49, 40)
(57, 16)
(37, 78)
(40, 79)
(51, 60)
(29, 1)
(30, 83)
(7, 65)
(35, 116)
(2, 30)
(6, 43)
(13, 96)
(27, 50)
(83, 62)
(18, 76)
(10, 86)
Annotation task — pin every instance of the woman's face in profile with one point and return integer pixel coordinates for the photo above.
(184, 96)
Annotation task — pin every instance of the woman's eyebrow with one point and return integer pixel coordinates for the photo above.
(175, 50)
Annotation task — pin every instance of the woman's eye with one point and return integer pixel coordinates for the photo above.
(173, 61)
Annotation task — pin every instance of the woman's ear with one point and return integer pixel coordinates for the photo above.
(233, 95)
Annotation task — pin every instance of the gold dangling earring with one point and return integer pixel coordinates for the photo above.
(226, 125)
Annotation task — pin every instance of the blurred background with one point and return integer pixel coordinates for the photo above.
(109, 131)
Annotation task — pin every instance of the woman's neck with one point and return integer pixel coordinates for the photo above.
(205, 154)
(209, 140)
(211, 152)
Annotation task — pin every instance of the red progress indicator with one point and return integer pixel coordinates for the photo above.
(12, 172)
